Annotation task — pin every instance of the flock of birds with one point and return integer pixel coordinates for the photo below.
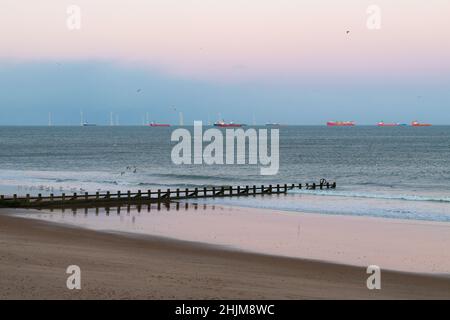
(132, 169)
(52, 189)
(48, 188)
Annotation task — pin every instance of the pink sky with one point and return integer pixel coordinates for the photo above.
(222, 39)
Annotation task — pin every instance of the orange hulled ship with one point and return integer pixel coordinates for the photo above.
(418, 124)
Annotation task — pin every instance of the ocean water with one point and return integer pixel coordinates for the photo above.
(399, 172)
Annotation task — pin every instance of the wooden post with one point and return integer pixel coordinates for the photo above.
(187, 193)
(299, 185)
(196, 193)
(231, 190)
(108, 194)
(75, 196)
(15, 197)
(149, 193)
(39, 197)
(285, 188)
(2, 197)
(238, 190)
(139, 193)
(246, 189)
(333, 186)
(119, 194)
(205, 192)
(86, 196)
(168, 193)
(28, 197)
(314, 186)
(222, 191)
(97, 195)
(254, 189)
(270, 188)
(159, 194)
(128, 195)
(214, 191)
(63, 197)
(278, 188)
(51, 197)
(262, 189)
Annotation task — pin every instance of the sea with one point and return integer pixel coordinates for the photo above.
(388, 172)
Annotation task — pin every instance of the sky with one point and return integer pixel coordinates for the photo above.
(286, 61)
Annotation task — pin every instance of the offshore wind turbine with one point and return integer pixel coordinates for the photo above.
(181, 118)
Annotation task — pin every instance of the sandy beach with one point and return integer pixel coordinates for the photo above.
(392, 244)
(34, 256)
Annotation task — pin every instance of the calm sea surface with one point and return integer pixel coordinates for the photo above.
(399, 172)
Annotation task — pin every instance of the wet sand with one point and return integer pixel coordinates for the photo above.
(393, 244)
(35, 254)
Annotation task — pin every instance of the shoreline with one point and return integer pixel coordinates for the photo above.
(35, 254)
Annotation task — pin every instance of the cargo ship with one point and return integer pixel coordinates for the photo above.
(223, 124)
(383, 124)
(341, 123)
(418, 124)
(153, 124)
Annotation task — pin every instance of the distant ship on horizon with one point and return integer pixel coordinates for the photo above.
(86, 124)
(341, 123)
(383, 124)
(418, 124)
(154, 124)
(223, 124)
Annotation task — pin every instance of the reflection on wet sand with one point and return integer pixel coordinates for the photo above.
(133, 208)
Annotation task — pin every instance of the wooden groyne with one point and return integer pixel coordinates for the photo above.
(149, 196)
